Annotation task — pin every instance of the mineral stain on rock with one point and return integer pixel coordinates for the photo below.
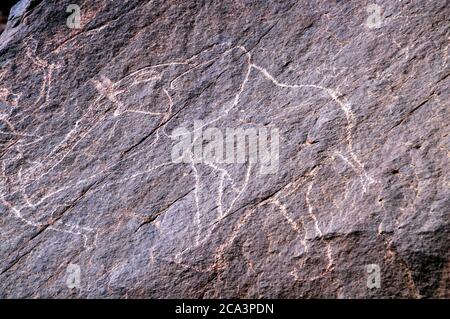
(358, 207)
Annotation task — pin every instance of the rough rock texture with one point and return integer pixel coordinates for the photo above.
(85, 149)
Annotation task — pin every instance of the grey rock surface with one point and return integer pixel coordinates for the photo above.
(87, 179)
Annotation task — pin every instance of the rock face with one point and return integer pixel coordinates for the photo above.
(93, 203)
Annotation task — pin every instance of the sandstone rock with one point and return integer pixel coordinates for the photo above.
(359, 94)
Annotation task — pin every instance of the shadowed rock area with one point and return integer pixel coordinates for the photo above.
(92, 204)
(5, 6)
